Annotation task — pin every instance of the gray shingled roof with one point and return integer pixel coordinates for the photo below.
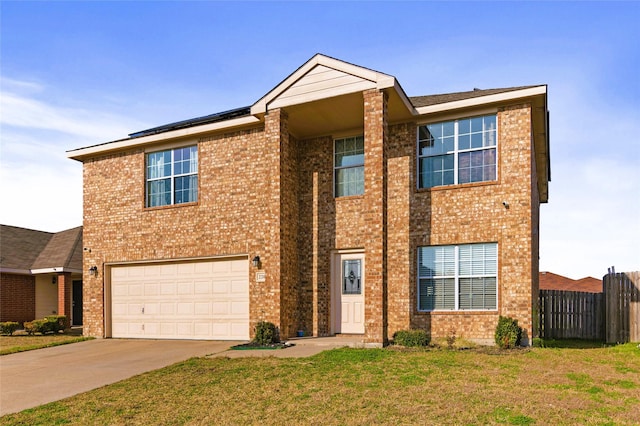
(25, 249)
(422, 101)
(64, 249)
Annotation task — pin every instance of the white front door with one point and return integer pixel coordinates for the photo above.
(349, 290)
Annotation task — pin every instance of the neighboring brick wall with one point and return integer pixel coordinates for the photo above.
(17, 297)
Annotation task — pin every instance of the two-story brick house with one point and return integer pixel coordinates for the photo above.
(335, 204)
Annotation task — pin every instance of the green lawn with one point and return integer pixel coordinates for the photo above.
(22, 342)
(371, 386)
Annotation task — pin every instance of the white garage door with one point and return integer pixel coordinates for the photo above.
(189, 300)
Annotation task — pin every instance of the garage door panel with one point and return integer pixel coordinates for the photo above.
(168, 288)
(221, 286)
(167, 329)
(239, 286)
(240, 308)
(202, 309)
(185, 308)
(185, 288)
(196, 300)
(135, 289)
(220, 308)
(151, 309)
(202, 287)
(184, 329)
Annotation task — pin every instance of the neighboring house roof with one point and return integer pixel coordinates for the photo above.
(551, 281)
(27, 251)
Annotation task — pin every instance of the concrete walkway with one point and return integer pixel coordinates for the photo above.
(29, 379)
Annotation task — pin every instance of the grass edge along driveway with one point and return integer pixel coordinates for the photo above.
(371, 386)
(21, 343)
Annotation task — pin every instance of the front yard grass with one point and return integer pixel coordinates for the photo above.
(23, 342)
(371, 386)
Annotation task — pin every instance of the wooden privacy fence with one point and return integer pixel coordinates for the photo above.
(622, 307)
(571, 315)
(612, 316)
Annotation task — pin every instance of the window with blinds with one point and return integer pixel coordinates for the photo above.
(462, 277)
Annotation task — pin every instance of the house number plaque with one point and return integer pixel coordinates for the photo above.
(261, 276)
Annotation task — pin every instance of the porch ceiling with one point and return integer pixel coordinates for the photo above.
(339, 114)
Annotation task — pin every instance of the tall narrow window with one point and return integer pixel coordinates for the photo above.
(456, 152)
(172, 176)
(349, 166)
(460, 277)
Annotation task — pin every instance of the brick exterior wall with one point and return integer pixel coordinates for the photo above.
(17, 297)
(264, 192)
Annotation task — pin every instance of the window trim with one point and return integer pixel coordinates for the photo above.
(456, 152)
(456, 276)
(336, 168)
(172, 177)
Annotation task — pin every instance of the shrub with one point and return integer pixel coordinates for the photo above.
(508, 333)
(50, 324)
(57, 322)
(411, 338)
(32, 327)
(8, 327)
(266, 333)
(538, 342)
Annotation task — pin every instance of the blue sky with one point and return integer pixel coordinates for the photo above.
(74, 74)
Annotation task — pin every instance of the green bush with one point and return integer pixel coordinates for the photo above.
(51, 324)
(411, 338)
(57, 322)
(9, 327)
(508, 333)
(266, 333)
(32, 327)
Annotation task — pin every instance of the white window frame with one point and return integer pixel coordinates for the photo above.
(352, 166)
(457, 276)
(171, 177)
(456, 151)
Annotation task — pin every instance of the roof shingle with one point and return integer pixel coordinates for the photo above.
(25, 249)
(422, 101)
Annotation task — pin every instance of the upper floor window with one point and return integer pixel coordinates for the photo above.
(459, 151)
(349, 166)
(172, 176)
(462, 277)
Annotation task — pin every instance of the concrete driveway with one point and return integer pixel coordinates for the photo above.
(33, 378)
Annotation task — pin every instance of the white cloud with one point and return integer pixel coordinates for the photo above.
(40, 187)
(94, 126)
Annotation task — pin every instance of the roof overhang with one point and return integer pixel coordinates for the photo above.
(57, 270)
(15, 271)
(83, 153)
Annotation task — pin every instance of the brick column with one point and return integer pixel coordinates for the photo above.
(375, 215)
(65, 286)
(276, 230)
